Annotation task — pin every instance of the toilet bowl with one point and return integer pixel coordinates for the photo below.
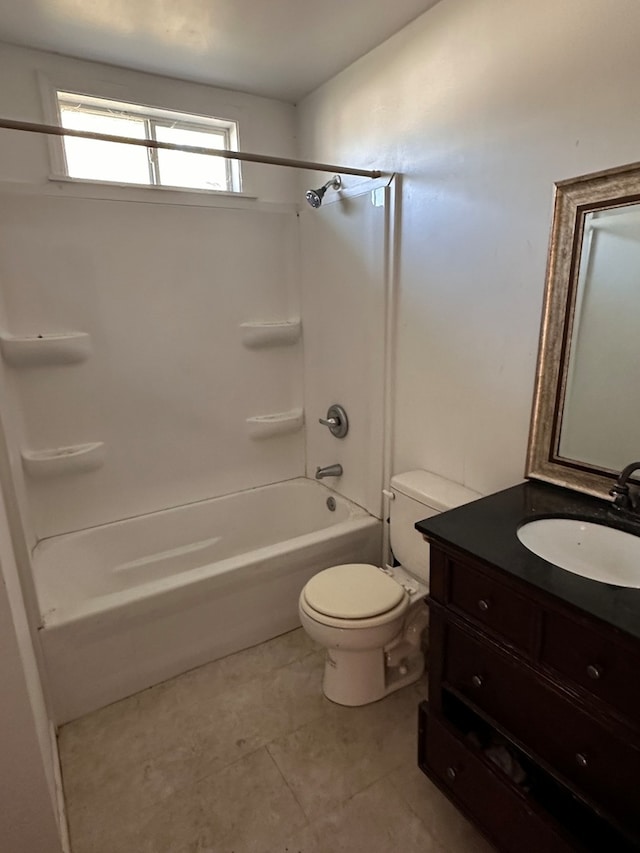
(370, 619)
(368, 651)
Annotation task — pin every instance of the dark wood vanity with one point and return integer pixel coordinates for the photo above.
(532, 727)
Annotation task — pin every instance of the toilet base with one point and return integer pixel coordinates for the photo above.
(355, 678)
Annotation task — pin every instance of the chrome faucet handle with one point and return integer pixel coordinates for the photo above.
(336, 420)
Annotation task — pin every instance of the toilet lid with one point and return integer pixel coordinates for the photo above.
(352, 591)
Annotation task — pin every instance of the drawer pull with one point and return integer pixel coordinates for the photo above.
(594, 671)
(451, 773)
(581, 758)
(477, 680)
(483, 604)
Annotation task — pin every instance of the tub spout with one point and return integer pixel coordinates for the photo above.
(329, 471)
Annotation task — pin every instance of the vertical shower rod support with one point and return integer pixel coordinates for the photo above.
(55, 130)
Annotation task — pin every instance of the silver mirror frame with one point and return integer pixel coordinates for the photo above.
(573, 200)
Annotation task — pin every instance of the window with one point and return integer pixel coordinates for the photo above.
(92, 159)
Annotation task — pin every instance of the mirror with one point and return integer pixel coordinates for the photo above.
(586, 412)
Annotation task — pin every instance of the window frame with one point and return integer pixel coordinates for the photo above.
(152, 117)
(233, 179)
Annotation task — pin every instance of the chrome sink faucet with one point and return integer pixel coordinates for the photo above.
(623, 497)
(329, 471)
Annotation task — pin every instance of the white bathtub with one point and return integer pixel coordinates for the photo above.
(132, 603)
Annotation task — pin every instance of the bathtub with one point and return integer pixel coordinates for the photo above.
(129, 604)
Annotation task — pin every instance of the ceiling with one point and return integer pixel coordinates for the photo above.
(278, 48)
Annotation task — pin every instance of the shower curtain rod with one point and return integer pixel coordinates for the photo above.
(55, 130)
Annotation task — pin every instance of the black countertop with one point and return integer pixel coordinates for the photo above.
(487, 529)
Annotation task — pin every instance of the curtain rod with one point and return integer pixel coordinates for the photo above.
(55, 130)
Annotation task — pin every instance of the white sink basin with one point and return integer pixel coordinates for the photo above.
(591, 550)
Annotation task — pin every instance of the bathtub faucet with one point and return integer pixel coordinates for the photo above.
(329, 471)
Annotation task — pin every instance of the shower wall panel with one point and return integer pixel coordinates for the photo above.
(161, 290)
(344, 291)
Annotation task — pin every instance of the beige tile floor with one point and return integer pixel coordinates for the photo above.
(245, 755)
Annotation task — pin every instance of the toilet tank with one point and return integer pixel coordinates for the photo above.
(418, 495)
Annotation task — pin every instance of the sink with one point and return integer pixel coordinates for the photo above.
(591, 550)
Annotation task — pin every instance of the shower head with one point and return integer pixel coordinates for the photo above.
(314, 197)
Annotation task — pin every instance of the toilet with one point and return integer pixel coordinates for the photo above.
(371, 619)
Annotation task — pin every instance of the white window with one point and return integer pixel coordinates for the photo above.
(115, 162)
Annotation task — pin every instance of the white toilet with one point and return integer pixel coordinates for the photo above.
(369, 619)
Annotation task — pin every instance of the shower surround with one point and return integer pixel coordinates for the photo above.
(165, 366)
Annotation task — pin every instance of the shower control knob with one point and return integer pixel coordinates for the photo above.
(477, 680)
(483, 604)
(336, 420)
(581, 759)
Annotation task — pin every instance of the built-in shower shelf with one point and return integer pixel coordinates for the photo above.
(281, 423)
(37, 350)
(275, 334)
(54, 461)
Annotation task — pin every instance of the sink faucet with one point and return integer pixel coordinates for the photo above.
(623, 497)
(330, 471)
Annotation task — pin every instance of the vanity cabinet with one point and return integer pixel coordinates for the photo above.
(532, 727)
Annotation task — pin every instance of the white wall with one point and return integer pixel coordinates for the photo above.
(266, 126)
(482, 105)
(161, 281)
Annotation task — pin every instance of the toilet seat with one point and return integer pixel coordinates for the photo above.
(352, 591)
(367, 596)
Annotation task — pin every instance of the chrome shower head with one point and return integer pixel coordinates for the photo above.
(314, 197)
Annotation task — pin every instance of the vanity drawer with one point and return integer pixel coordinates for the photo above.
(482, 793)
(492, 604)
(599, 765)
(597, 662)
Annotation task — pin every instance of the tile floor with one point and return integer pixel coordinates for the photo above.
(245, 755)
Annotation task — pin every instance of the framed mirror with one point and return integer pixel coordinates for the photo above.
(585, 424)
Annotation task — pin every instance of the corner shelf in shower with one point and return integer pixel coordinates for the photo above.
(54, 461)
(275, 334)
(41, 350)
(280, 423)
